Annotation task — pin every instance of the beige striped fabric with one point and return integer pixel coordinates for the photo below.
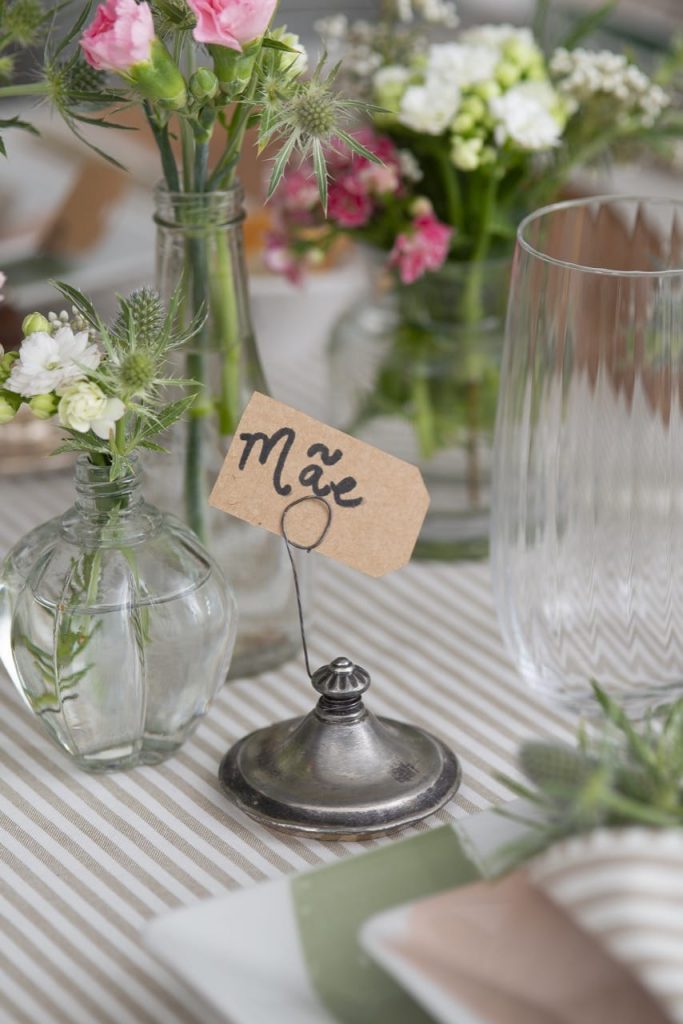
(85, 861)
(625, 887)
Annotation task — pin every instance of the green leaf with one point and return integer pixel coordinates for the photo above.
(584, 26)
(151, 446)
(74, 31)
(281, 162)
(79, 300)
(320, 169)
(275, 44)
(618, 717)
(356, 146)
(171, 413)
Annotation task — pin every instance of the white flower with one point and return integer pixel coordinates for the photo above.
(51, 362)
(333, 27)
(428, 110)
(84, 406)
(498, 36)
(524, 116)
(3, 279)
(584, 74)
(409, 166)
(466, 153)
(294, 65)
(438, 12)
(454, 64)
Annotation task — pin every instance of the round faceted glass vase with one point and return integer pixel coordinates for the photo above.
(200, 258)
(115, 625)
(415, 371)
(588, 480)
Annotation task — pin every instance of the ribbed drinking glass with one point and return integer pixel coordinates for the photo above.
(588, 467)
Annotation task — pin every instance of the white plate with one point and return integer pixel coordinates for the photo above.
(243, 954)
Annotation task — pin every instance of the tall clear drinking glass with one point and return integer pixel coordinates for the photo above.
(587, 542)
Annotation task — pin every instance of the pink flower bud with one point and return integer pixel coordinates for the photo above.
(119, 36)
(231, 23)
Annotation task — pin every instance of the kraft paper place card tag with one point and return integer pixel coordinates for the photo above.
(280, 455)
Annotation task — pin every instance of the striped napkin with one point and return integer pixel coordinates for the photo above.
(625, 888)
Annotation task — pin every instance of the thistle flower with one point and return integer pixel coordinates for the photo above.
(627, 775)
(310, 119)
(21, 21)
(143, 310)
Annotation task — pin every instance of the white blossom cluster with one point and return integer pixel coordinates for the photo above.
(580, 75)
(489, 89)
(355, 42)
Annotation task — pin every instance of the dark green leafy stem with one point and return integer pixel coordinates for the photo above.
(627, 775)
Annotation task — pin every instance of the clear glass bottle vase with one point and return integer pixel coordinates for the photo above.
(414, 371)
(116, 626)
(200, 251)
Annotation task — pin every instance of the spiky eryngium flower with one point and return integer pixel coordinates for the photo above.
(631, 774)
(75, 83)
(7, 66)
(309, 118)
(137, 371)
(21, 22)
(555, 767)
(143, 310)
(172, 16)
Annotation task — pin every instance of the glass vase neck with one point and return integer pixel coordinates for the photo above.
(98, 497)
(183, 210)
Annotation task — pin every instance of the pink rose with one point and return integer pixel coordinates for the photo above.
(423, 248)
(231, 23)
(348, 209)
(120, 35)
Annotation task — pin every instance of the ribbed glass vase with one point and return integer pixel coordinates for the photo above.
(588, 479)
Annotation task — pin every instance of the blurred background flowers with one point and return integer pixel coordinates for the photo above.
(483, 111)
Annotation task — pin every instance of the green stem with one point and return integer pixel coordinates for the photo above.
(473, 313)
(227, 165)
(450, 183)
(30, 89)
(225, 315)
(168, 163)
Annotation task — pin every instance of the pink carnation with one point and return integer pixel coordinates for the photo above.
(231, 23)
(119, 36)
(3, 279)
(280, 259)
(367, 178)
(423, 248)
(349, 209)
(298, 192)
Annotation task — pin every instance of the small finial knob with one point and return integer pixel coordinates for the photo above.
(341, 680)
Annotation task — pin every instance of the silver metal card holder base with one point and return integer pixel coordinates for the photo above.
(340, 772)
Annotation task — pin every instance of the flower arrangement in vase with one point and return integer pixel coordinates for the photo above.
(472, 133)
(116, 626)
(202, 73)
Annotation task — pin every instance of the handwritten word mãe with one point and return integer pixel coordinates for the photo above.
(311, 476)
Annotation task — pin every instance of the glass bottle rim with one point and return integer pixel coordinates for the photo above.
(226, 205)
(596, 200)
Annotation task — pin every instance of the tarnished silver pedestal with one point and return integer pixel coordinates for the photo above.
(340, 772)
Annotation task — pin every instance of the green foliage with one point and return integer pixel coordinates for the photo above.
(627, 775)
(137, 346)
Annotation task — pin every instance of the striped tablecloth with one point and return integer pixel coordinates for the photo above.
(85, 860)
